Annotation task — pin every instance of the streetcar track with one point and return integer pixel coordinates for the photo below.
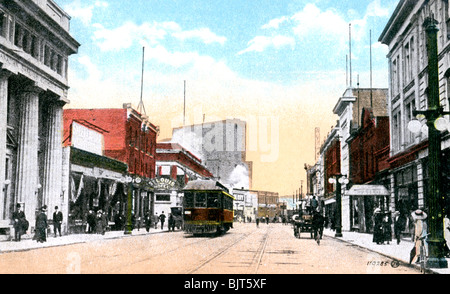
(220, 253)
(261, 251)
(163, 253)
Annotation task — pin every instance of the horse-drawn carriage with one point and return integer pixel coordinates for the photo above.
(303, 223)
(309, 219)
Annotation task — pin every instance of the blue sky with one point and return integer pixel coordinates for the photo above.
(283, 59)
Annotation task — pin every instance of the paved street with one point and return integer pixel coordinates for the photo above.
(246, 249)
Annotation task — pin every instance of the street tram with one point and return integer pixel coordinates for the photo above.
(208, 208)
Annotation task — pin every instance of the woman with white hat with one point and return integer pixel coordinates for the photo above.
(420, 230)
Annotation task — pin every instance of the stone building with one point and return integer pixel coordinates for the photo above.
(35, 45)
(405, 36)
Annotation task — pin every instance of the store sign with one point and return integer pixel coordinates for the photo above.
(162, 183)
(368, 190)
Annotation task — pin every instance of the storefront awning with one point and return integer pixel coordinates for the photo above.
(368, 190)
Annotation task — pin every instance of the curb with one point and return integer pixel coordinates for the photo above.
(78, 242)
(402, 262)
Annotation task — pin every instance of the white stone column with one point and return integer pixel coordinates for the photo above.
(27, 155)
(4, 75)
(52, 169)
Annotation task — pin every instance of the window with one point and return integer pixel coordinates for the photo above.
(188, 199)
(2, 24)
(409, 108)
(396, 131)
(200, 199)
(213, 200)
(162, 197)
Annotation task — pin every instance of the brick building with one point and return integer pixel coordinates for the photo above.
(175, 166)
(129, 138)
(369, 170)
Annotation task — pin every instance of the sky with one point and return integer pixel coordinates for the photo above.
(279, 65)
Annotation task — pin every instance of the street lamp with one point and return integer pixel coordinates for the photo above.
(338, 180)
(129, 225)
(435, 123)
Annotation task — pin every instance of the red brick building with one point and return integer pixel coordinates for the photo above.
(369, 148)
(175, 166)
(332, 165)
(129, 137)
(369, 170)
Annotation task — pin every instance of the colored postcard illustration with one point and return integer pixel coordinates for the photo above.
(250, 137)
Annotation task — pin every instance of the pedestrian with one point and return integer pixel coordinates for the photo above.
(267, 219)
(20, 223)
(446, 235)
(147, 221)
(171, 223)
(399, 225)
(378, 227)
(41, 225)
(118, 221)
(314, 203)
(156, 220)
(387, 228)
(420, 230)
(91, 222)
(162, 218)
(257, 222)
(317, 226)
(99, 223)
(57, 220)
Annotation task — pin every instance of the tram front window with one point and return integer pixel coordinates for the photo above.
(200, 199)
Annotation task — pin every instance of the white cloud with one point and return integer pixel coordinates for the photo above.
(275, 23)
(204, 34)
(153, 34)
(84, 12)
(260, 43)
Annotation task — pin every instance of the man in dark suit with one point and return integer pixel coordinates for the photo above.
(18, 217)
(57, 220)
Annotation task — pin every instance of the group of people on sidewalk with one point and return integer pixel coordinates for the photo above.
(96, 222)
(383, 230)
(21, 224)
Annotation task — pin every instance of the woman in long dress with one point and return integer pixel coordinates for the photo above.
(378, 236)
(420, 230)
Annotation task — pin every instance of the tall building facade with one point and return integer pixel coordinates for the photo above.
(405, 36)
(221, 145)
(35, 45)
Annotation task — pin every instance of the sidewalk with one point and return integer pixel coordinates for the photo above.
(398, 252)
(28, 244)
